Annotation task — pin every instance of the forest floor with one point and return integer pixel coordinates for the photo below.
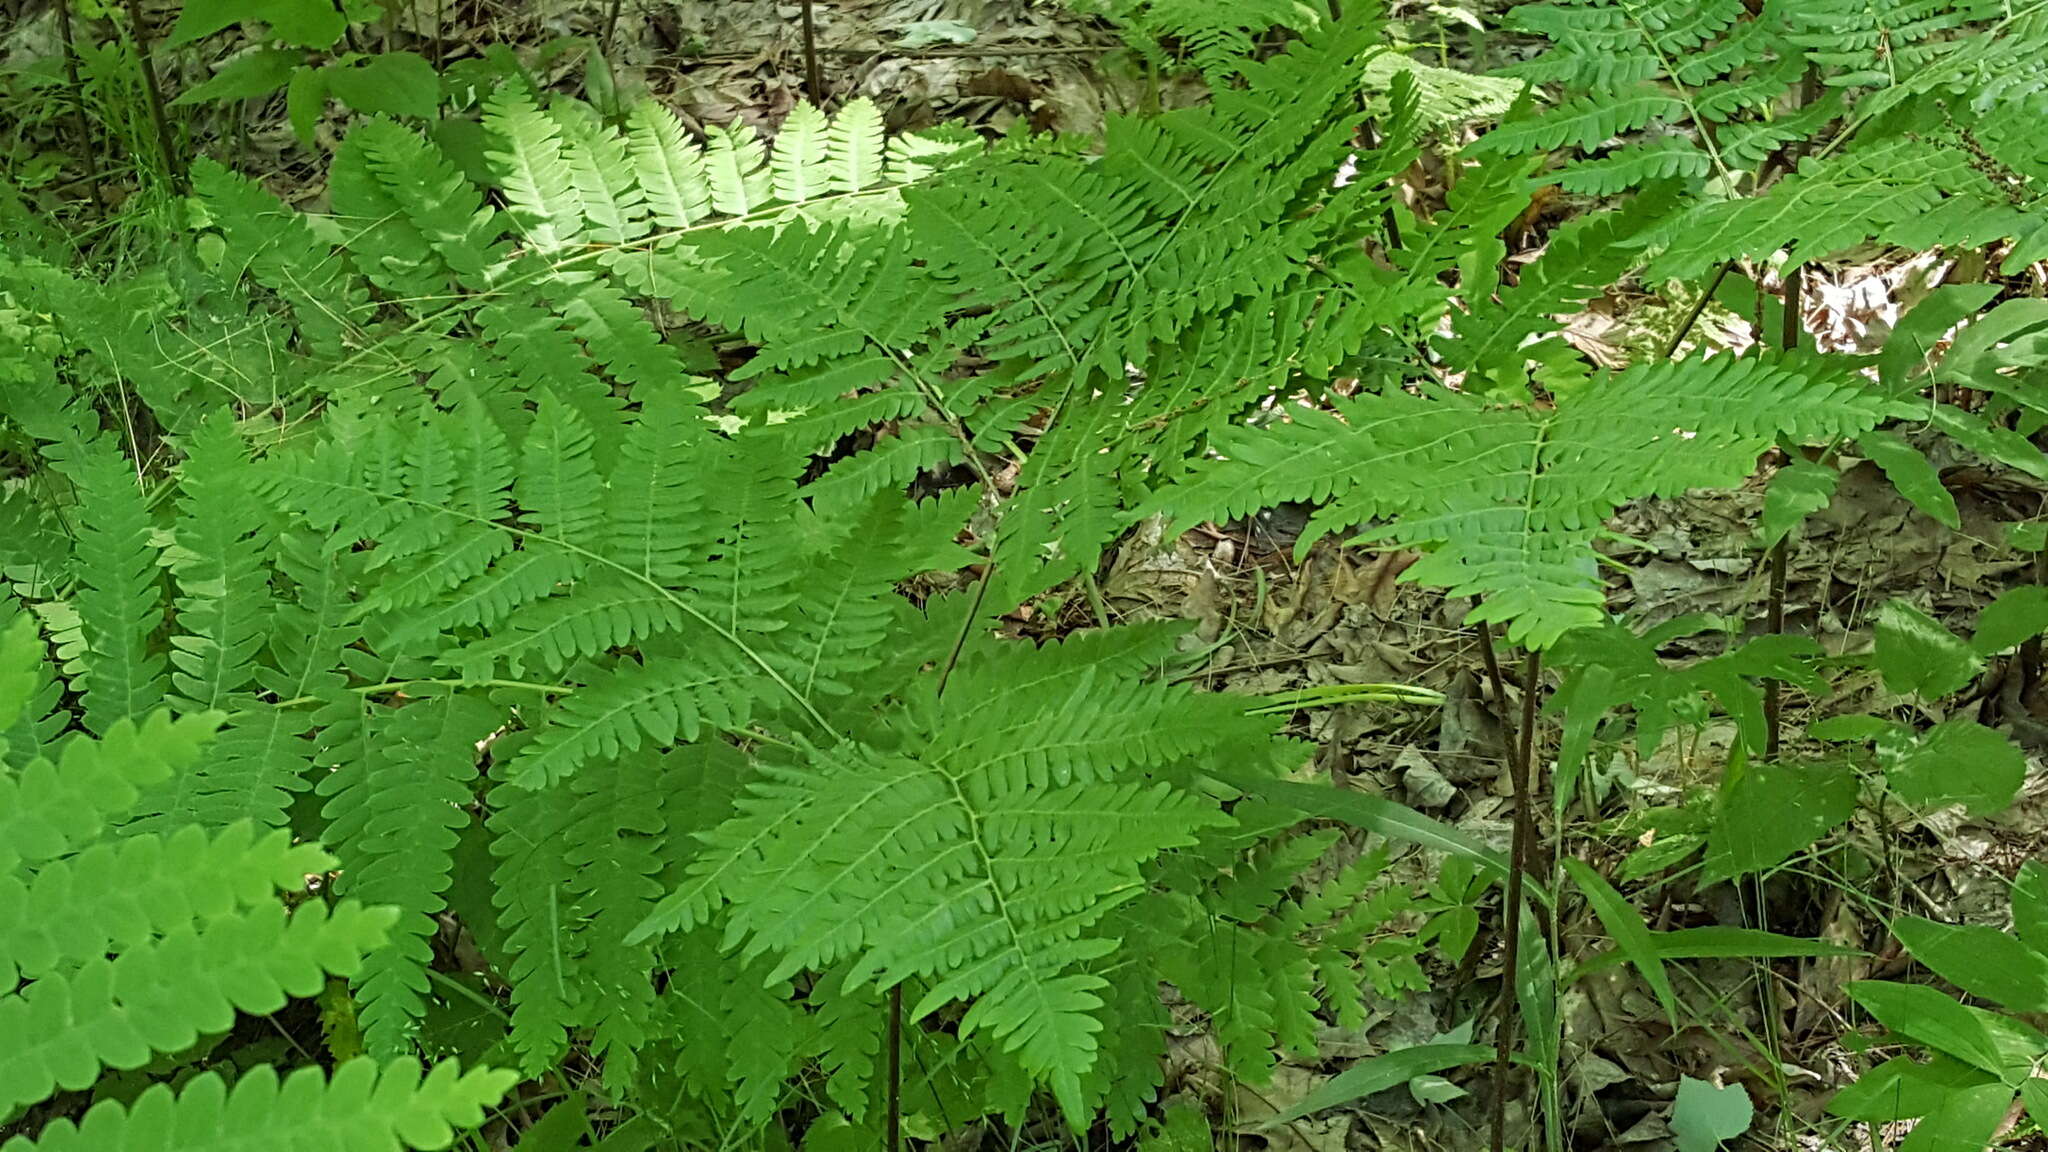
(1271, 620)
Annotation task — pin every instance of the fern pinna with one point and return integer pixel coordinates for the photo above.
(125, 941)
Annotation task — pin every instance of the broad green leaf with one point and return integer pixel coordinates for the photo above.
(1381, 815)
(1909, 471)
(245, 77)
(1184, 1128)
(561, 1129)
(1909, 351)
(1536, 995)
(1836, 729)
(1719, 942)
(1797, 491)
(1703, 1116)
(1903, 1088)
(1967, 1121)
(1631, 934)
(305, 23)
(390, 83)
(305, 99)
(1955, 762)
(1379, 1073)
(1992, 441)
(1916, 654)
(2030, 905)
(1767, 812)
(302, 23)
(2035, 1093)
(1980, 960)
(2018, 615)
(1932, 1017)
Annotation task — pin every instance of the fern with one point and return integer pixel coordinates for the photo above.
(364, 1106)
(625, 549)
(121, 949)
(1902, 191)
(1509, 501)
(118, 609)
(392, 817)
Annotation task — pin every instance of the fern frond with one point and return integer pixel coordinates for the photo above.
(638, 702)
(1508, 502)
(938, 860)
(797, 170)
(856, 150)
(49, 810)
(540, 189)
(31, 698)
(121, 670)
(223, 537)
(161, 995)
(123, 894)
(668, 166)
(1905, 190)
(392, 818)
(329, 302)
(1493, 339)
(1635, 165)
(736, 169)
(657, 521)
(745, 1036)
(366, 1107)
(609, 198)
(1583, 123)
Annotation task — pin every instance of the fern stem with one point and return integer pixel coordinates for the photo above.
(1699, 308)
(814, 83)
(1774, 609)
(1774, 623)
(153, 97)
(1498, 687)
(1512, 898)
(68, 36)
(453, 682)
(893, 1040)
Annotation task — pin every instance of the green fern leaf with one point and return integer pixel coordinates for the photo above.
(392, 818)
(122, 894)
(329, 303)
(736, 171)
(366, 1107)
(611, 203)
(1507, 501)
(160, 996)
(797, 169)
(120, 669)
(49, 810)
(857, 152)
(223, 537)
(539, 187)
(668, 166)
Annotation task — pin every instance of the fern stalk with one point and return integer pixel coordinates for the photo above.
(1512, 898)
(153, 96)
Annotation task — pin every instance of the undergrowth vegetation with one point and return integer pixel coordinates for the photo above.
(610, 617)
